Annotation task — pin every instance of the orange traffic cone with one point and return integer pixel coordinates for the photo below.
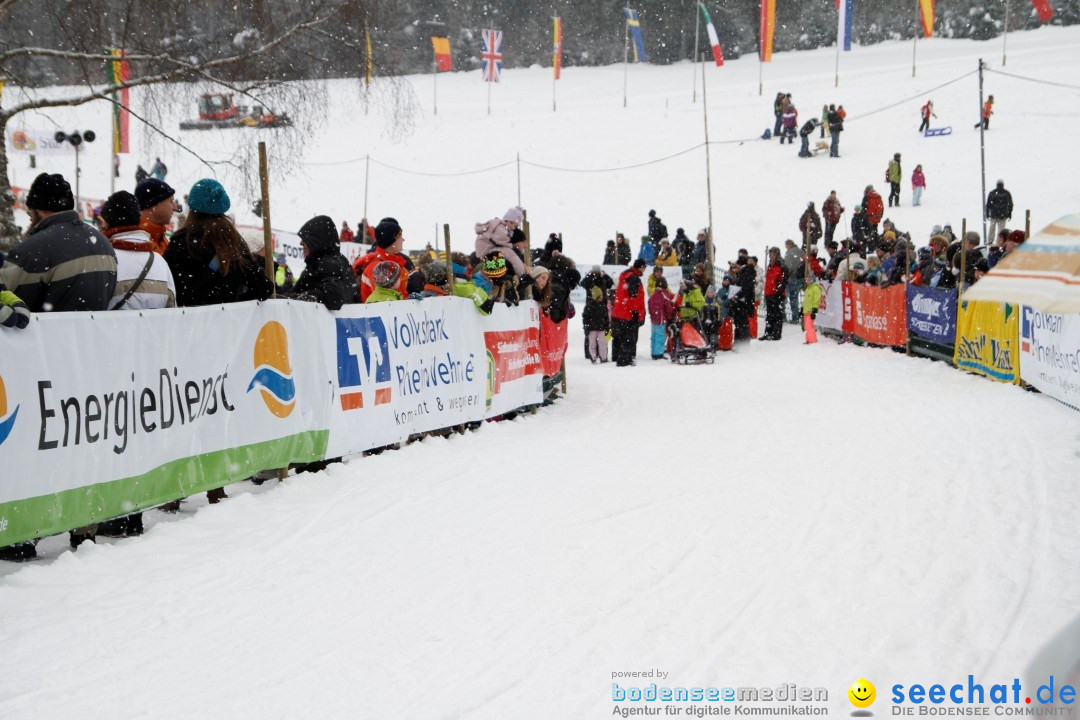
(808, 326)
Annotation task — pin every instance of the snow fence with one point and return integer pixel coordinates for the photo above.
(104, 414)
(1001, 341)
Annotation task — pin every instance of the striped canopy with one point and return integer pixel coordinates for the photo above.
(1043, 273)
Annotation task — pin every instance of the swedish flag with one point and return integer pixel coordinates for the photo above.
(633, 25)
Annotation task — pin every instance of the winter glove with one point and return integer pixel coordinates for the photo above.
(525, 280)
(487, 306)
(13, 311)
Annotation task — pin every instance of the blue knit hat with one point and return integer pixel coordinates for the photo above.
(209, 198)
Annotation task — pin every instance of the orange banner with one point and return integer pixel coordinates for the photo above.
(926, 15)
(768, 29)
(878, 316)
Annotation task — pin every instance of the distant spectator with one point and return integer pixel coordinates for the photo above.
(609, 253)
(666, 257)
(622, 250)
(347, 235)
(327, 277)
(999, 208)
(647, 251)
(657, 230)
(157, 203)
(661, 312)
(918, 186)
(143, 278)
(595, 319)
(831, 210)
(628, 314)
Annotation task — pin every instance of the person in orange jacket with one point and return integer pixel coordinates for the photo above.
(388, 243)
(987, 111)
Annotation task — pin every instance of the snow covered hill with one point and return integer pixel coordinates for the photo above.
(792, 514)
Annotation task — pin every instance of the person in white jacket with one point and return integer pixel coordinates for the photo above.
(143, 278)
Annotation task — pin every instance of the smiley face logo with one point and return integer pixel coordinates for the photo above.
(862, 693)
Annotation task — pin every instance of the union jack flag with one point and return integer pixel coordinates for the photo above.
(492, 56)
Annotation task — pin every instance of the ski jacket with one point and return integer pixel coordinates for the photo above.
(791, 117)
(327, 277)
(999, 204)
(918, 179)
(62, 265)
(493, 236)
(775, 280)
(133, 249)
(629, 297)
(661, 307)
(832, 210)
(197, 283)
(667, 258)
(873, 207)
(810, 222)
(647, 252)
(894, 173)
(691, 303)
(364, 268)
(595, 315)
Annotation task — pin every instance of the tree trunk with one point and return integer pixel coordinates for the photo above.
(9, 233)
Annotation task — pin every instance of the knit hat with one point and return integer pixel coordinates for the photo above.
(858, 208)
(494, 265)
(208, 197)
(537, 270)
(121, 210)
(151, 191)
(51, 193)
(386, 274)
(386, 232)
(889, 236)
(514, 215)
(435, 272)
(936, 230)
(1016, 236)
(640, 264)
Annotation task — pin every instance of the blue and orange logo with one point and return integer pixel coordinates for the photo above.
(273, 372)
(6, 421)
(363, 352)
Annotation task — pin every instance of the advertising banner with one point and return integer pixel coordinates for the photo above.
(402, 368)
(288, 244)
(931, 314)
(987, 340)
(831, 312)
(879, 314)
(1050, 354)
(37, 142)
(102, 414)
(515, 374)
(553, 344)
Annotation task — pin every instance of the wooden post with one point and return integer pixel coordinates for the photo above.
(449, 260)
(963, 265)
(528, 251)
(1027, 224)
(708, 177)
(268, 235)
(907, 280)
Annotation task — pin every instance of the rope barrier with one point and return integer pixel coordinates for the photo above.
(913, 97)
(614, 169)
(1034, 80)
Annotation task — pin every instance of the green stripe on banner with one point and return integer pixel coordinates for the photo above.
(51, 514)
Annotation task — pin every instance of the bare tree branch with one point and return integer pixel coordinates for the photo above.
(183, 71)
(22, 52)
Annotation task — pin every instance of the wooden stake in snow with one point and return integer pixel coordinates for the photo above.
(268, 235)
(449, 261)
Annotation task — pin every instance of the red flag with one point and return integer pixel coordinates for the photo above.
(442, 53)
(1044, 8)
(557, 60)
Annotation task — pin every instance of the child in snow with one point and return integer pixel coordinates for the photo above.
(661, 312)
(918, 184)
(811, 303)
(386, 275)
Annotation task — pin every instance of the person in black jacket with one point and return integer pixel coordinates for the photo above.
(211, 263)
(805, 133)
(623, 254)
(609, 253)
(327, 277)
(742, 306)
(683, 247)
(836, 126)
(999, 208)
(657, 231)
(595, 320)
(63, 265)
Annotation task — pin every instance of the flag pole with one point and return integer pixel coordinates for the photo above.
(839, 40)
(626, 60)
(694, 58)
(555, 69)
(982, 149)
(915, 40)
(1005, 35)
(519, 178)
(435, 85)
(708, 174)
(367, 170)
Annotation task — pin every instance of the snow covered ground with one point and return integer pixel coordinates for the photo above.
(792, 514)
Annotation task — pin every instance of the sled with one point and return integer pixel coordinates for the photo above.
(937, 132)
(725, 338)
(688, 346)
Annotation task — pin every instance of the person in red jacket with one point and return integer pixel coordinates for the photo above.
(347, 235)
(628, 314)
(388, 243)
(873, 207)
(831, 210)
(775, 284)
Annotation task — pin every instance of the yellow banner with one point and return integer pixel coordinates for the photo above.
(988, 340)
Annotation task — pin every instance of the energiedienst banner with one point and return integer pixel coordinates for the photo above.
(1050, 354)
(105, 413)
(987, 340)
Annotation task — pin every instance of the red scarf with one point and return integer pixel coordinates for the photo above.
(157, 235)
(147, 245)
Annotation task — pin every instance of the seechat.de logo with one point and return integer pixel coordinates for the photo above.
(363, 362)
(6, 421)
(273, 372)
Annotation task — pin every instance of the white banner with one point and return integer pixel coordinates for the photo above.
(288, 244)
(831, 313)
(514, 372)
(402, 368)
(1050, 354)
(37, 142)
(103, 414)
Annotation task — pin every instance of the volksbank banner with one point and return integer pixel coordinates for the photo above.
(1050, 354)
(103, 414)
(931, 314)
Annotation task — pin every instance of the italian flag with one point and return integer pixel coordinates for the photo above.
(713, 40)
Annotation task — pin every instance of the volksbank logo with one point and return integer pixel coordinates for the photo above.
(6, 421)
(273, 372)
(363, 360)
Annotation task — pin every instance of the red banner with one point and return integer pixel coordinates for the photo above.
(876, 315)
(553, 344)
(514, 354)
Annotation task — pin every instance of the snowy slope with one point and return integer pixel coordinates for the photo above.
(759, 189)
(793, 514)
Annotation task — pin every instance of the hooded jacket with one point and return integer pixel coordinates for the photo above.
(63, 265)
(629, 297)
(595, 316)
(327, 276)
(494, 236)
